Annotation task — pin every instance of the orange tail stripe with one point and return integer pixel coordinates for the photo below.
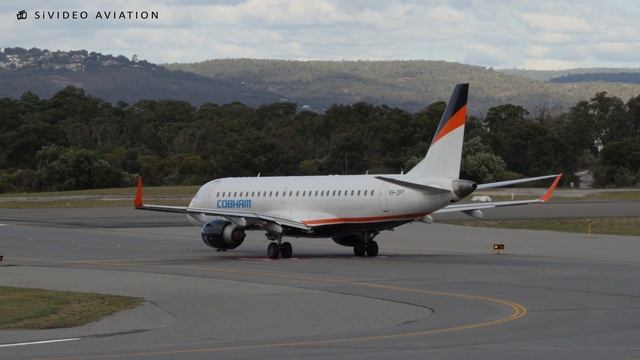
(458, 119)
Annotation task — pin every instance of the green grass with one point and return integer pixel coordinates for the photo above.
(98, 198)
(30, 309)
(51, 200)
(84, 203)
(631, 195)
(607, 225)
(128, 191)
(615, 195)
(530, 197)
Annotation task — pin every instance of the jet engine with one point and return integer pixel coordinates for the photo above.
(222, 234)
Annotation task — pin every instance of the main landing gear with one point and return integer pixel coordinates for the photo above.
(277, 249)
(362, 249)
(367, 247)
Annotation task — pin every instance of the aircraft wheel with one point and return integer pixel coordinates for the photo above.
(359, 250)
(286, 250)
(372, 248)
(273, 250)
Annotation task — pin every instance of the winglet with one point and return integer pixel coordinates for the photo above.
(138, 200)
(547, 195)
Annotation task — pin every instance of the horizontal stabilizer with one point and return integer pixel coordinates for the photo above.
(470, 207)
(514, 182)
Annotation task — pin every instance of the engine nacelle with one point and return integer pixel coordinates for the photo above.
(462, 188)
(222, 234)
(476, 214)
(427, 219)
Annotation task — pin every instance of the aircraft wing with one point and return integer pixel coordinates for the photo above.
(467, 207)
(229, 214)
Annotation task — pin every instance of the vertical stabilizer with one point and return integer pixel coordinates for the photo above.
(445, 153)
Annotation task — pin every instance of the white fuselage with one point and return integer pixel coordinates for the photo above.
(319, 201)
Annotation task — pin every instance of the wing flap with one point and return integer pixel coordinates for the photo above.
(486, 205)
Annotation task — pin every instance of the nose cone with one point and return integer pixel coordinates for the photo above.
(462, 188)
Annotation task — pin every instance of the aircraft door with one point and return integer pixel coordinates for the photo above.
(383, 197)
(209, 193)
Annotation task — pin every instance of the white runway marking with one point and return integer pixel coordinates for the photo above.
(3, 224)
(39, 342)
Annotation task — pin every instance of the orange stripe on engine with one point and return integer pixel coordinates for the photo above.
(363, 219)
(458, 119)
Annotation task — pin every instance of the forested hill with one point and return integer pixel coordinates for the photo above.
(410, 85)
(76, 141)
(114, 78)
(629, 78)
(546, 75)
(406, 84)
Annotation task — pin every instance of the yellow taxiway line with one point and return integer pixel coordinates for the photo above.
(518, 311)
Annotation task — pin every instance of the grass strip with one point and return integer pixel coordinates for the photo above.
(605, 225)
(126, 191)
(30, 309)
(84, 203)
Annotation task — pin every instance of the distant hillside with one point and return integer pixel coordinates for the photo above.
(546, 75)
(410, 85)
(114, 78)
(627, 78)
(407, 84)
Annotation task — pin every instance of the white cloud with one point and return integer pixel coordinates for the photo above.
(446, 14)
(621, 51)
(541, 34)
(537, 51)
(485, 54)
(555, 23)
(549, 64)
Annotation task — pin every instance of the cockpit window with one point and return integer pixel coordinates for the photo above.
(198, 193)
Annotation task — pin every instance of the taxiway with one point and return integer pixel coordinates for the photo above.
(435, 291)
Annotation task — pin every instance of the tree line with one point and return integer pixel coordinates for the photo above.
(76, 141)
(621, 77)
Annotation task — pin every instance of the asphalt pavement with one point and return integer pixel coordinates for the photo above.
(435, 291)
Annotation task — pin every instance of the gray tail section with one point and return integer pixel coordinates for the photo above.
(445, 153)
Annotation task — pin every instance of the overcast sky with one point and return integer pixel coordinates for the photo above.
(535, 34)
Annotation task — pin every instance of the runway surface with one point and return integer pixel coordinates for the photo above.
(435, 291)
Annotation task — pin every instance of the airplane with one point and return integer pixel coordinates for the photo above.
(350, 209)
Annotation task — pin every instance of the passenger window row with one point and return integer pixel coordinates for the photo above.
(296, 193)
